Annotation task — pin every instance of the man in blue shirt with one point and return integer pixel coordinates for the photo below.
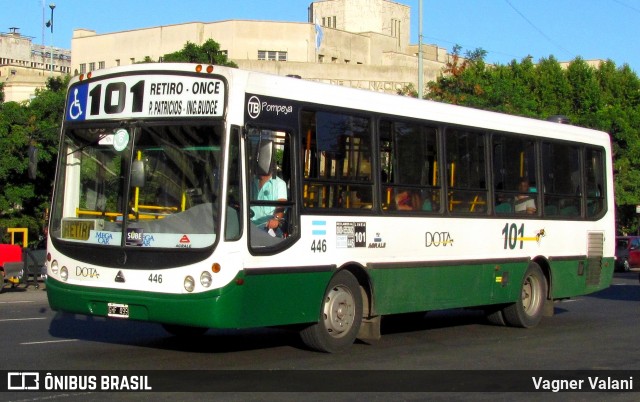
(268, 187)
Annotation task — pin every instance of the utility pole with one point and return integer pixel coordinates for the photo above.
(420, 61)
(50, 24)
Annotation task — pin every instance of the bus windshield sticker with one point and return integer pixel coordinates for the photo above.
(135, 237)
(351, 234)
(120, 140)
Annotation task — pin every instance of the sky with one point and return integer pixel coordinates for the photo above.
(505, 29)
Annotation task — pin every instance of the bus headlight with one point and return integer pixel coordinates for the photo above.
(205, 279)
(189, 284)
(64, 273)
(54, 267)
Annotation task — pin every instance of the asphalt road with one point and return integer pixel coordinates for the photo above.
(593, 332)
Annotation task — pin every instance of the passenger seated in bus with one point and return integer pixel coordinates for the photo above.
(524, 203)
(408, 200)
(268, 187)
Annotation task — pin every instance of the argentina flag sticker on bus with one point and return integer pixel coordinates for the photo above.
(77, 103)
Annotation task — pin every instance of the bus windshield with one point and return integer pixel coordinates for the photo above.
(138, 186)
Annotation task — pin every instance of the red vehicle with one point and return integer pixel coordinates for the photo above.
(627, 252)
(11, 263)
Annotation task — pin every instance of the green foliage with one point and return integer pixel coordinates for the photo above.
(606, 98)
(24, 202)
(208, 53)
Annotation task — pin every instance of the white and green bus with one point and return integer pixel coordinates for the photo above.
(206, 197)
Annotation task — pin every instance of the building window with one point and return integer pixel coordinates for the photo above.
(83, 68)
(92, 66)
(101, 64)
(272, 55)
(395, 28)
(329, 22)
(117, 62)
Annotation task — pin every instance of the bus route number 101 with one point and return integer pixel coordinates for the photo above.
(513, 235)
(115, 98)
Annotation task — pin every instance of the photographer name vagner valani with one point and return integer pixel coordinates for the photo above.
(590, 384)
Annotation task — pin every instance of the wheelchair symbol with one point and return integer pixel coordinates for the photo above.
(75, 110)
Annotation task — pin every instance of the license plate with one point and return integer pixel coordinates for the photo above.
(118, 310)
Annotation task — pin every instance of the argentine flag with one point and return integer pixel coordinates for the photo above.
(319, 35)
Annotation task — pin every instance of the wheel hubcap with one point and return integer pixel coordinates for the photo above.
(531, 295)
(339, 311)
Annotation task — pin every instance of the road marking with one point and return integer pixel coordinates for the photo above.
(16, 302)
(24, 319)
(40, 342)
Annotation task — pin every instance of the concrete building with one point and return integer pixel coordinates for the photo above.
(26, 66)
(357, 43)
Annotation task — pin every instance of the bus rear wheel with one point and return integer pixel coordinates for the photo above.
(527, 311)
(340, 318)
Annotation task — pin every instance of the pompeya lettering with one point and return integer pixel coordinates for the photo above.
(277, 108)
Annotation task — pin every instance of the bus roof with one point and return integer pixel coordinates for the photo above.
(368, 101)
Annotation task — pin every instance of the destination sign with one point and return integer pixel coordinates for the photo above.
(146, 96)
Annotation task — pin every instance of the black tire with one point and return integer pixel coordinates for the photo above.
(184, 331)
(340, 316)
(527, 311)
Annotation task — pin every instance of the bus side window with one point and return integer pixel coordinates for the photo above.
(336, 155)
(466, 171)
(269, 181)
(233, 222)
(409, 167)
(561, 167)
(594, 180)
(514, 174)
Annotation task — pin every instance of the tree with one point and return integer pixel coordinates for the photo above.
(208, 53)
(35, 124)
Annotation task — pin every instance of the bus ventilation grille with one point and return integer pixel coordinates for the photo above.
(595, 252)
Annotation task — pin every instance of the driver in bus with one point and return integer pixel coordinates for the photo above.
(267, 186)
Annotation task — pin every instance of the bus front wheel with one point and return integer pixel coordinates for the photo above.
(527, 311)
(340, 318)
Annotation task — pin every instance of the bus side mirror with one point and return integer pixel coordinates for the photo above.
(137, 174)
(264, 157)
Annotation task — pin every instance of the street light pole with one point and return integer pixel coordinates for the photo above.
(50, 24)
(420, 61)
